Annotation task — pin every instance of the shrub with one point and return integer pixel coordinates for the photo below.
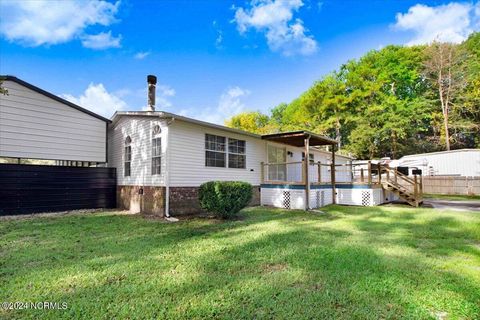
(224, 198)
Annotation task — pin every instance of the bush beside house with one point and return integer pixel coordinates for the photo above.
(225, 198)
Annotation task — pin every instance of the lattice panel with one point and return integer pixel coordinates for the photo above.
(366, 198)
(286, 200)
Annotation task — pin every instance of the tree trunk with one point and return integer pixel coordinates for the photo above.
(338, 136)
(394, 145)
(447, 135)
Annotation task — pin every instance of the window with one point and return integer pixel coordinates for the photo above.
(311, 158)
(127, 157)
(215, 155)
(277, 172)
(236, 153)
(156, 156)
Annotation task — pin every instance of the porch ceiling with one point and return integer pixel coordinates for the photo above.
(297, 138)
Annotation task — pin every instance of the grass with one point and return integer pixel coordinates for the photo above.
(452, 197)
(347, 262)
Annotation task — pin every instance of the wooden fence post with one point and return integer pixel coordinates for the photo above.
(379, 168)
(415, 190)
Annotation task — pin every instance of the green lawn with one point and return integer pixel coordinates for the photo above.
(452, 197)
(348, 262)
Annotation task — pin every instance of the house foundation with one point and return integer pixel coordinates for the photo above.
(151, 200)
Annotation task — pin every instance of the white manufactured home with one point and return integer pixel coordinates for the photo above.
(461, 162)
(161, 159)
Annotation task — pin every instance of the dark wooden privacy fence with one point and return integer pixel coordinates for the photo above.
(28, 189)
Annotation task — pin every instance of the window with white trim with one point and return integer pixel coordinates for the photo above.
(236, 153)
(277, 158)
(215, 153)
(156, 156)
(311, 158)
(127, 157)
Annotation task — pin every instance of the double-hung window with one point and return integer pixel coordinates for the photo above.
(127, 157)
(236, 153)
(156, 156)
(215, 153)
(222, 152)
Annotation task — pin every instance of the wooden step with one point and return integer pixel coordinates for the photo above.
(402, 192)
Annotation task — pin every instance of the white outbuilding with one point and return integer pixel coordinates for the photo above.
(461, 162)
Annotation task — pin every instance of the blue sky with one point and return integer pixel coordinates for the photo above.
(212, 58)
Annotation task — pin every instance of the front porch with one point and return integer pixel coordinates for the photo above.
(307, 184)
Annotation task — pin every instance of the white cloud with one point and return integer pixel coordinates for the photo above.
(275, 19)
(219, 38)
(141, 55)
(230, 103)
(165, 90)
(48, 22)
(320, 5)
(452, 22)
(97, 99)
(103, 40)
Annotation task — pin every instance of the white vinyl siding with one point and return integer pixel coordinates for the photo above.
(187, 157)
(187, 153)
(35, 126)
(463, 162)
(140, 130)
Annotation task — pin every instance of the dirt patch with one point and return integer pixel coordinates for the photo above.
(58, 214)
(274, 267)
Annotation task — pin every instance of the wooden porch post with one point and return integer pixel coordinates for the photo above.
(262, 172)
(307, 178)
(332, 172)
(319, 164)
(369, 172)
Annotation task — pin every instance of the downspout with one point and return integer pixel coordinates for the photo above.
(167, 170)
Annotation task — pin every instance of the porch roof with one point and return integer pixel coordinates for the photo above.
(297, 138)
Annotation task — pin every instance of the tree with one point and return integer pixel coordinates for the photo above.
(391, 102)
(3, 90)
(445, 69)
(255, 122)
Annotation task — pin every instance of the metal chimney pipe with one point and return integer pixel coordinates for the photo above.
(152, 82)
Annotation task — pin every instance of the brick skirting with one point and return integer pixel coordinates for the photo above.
(183, 200)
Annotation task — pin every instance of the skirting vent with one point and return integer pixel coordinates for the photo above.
(286, 200)
(366, 198)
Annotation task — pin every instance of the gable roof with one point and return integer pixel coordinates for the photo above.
(52, 96)
(163, 114)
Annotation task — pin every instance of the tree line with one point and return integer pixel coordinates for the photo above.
(391, 102)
